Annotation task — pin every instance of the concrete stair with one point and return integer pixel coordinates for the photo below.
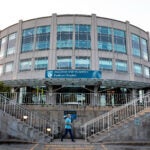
(17, 129)
(67, 144)
(101, 136)
(69, 147)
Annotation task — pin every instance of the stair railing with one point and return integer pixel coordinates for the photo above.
(116, 115)
(28, 117)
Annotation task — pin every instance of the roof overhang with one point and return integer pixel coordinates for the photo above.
(110, 83)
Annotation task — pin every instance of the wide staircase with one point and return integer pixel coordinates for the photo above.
(99, 128)
(26, 125)
(20, 123)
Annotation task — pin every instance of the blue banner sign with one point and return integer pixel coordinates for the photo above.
(72, 74)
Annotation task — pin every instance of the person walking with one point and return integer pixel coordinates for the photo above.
(68, 128)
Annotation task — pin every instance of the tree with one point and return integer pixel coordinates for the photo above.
(4, 88)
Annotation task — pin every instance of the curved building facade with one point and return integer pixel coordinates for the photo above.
(72, 48)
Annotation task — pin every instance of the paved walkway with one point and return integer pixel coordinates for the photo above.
(79, 144)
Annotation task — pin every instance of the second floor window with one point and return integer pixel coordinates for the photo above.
(64, 63)
(82, 62)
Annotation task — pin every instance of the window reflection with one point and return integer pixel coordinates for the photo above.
(104, 38)
(137, 69)
(41, 63)
(146, 71)
(64, 63)
(82, 63)
(3, 47)
(105, 64)
(121, 66)
(64, 36)
(136, 45)
(144, 49)
(1, 69)
(9, 67)
(25, 65)
(119, 41)
(43, 38)
(11, 48)
(82, 36)
(27, 40)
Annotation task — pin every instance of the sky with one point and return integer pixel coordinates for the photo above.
(137, 12)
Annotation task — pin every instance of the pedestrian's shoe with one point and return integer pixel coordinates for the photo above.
(73, 140)
(61, 140)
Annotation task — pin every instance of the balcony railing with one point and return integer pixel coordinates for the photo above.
(92, 99)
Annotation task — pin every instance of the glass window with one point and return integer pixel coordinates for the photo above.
(9, 67)
(1, 69)
(11, 47)
(43, 38)
(136, 45)
(105, 64)
(27, 40)
(119, 41)
(82, 36)
(64, 63)
(104, 38)
(41, 63)
(0, 44)
(3, 47)
(146, 72)
(82, 62)
(137, 69)
(25, 65)
(144, 49)
(121, 66)
(65, 36)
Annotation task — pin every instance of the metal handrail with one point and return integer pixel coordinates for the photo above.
(115, 116)
(28, 117)
(92, 99)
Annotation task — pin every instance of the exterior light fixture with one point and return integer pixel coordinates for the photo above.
(25, 117)
(48, 129)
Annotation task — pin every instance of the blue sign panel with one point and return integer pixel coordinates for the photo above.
(73, 74)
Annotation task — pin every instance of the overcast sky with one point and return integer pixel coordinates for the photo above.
(137, 12)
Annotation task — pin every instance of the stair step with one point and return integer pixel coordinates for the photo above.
(69, 147)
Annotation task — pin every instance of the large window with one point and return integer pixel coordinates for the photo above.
(64, 36)
(43, 38)
(121, 66)
(1, 70)
(105, 64)
(27, 40)
(82, 62)
(104, 38)
(11, 47)
(137, 69)
(25, 65)
(146, 72)
(3, 47)
(144, 49)
(64, 63)
(82, 36)
(41, 63)
(8, 67)
(136, 45)
(119, 41)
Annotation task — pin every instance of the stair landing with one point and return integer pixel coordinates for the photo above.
(67, 144)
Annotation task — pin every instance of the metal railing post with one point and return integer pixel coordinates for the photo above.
(5, 105)
(108, 120)
(134, 108)
(85, 130)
